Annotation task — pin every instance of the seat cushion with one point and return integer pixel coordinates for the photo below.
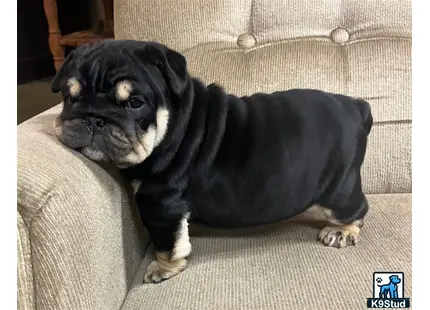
(282, 266)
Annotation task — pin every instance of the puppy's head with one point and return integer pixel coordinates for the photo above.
(118, 99)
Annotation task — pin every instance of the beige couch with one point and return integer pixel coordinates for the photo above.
(80, 242)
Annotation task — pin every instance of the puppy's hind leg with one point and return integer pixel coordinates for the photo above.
(345, 210)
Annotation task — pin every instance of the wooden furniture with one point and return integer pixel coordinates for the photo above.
(58, 42)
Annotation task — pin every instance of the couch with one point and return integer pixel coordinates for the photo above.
(80, 243)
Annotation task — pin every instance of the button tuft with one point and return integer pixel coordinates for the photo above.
(246, 40)
(339, 35)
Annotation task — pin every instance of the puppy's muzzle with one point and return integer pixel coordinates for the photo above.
(94, 137)
(93, 124)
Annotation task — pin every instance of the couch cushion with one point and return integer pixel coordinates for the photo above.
(357, 48)
(282, 266)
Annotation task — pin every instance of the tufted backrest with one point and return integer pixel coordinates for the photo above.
(360, 48)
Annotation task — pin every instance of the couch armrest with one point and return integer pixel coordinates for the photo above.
(80, 240)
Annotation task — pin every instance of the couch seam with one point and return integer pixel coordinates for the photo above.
(46, 201)
(320, 38)
(43, 201)
(31, 234)
(346, 69)
(148, 247)
(327, 40)
(28, 227)
(393, 122)
(32, 265)
(252, 26)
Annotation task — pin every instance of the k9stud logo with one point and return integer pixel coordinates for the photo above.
(388, 291)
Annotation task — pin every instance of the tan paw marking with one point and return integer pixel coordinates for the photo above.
(339, 236)
(162, 268)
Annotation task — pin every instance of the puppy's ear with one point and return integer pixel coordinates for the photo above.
(63, 74)
(172, 64)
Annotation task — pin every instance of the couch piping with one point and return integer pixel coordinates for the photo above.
(322, 39)
(27, 226)
(48, 197)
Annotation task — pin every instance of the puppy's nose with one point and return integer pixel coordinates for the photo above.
(94, 123)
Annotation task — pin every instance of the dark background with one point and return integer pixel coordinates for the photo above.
(34, 57)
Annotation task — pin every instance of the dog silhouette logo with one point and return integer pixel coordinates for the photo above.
(388, 291)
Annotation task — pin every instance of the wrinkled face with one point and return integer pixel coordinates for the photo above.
(117, 103)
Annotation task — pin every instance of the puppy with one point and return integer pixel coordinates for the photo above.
(193, 152)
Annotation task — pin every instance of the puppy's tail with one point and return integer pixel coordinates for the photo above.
(366, 113)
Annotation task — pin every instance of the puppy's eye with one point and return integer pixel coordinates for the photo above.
(69, 98)
(134, 103)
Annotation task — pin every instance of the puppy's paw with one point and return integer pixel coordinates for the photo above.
(154, 274)
(160, 270)
(339, 236)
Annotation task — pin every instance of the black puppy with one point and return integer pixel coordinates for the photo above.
(194, 152)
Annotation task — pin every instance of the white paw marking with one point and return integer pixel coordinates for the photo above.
(182, 246)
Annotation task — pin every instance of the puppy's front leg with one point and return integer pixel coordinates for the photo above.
(169, 234)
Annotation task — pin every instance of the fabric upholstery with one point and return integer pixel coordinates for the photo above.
(26, 292)
(80, 242)
(282, 266)
(357, 48)
(79, 239)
